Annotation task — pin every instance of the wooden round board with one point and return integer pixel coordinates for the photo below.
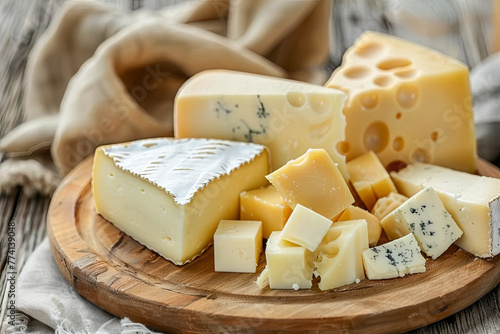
(128, 280)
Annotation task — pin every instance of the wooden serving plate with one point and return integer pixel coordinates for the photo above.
(126, 279)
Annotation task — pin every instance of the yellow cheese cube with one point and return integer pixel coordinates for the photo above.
(305, 228)
(267, 206)
(314, 181)
(237, 246)
(393, 227)
(289, 266)
(340, 259)
(387, 204)
(374, 227)
(369, 178)
(407, 103)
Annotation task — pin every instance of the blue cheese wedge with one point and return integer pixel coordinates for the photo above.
(426, 217)
(170, 195)
(472, 200)
(394, 259)
(287, 116)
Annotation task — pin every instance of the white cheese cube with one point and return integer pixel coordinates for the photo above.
(426, 217)
(288, 265)
(340, 254)
(237, 246)
(394, 259)
(170, 195)
(305, 228)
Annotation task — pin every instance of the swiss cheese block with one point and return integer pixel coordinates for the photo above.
(314, 181)
(170, 195)
(394, 259)
(237, 245)
(369, 178)
(426, 217)
(287, 116)
(267, 206)
(305, 228)
(339, 259)
(406, 103)
(373, 223)
(289, 266)
(472, 200)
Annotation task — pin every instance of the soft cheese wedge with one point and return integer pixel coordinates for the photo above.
(288, 117)
(406, 103)
(394, 259)
(472, 200)
(170, 195)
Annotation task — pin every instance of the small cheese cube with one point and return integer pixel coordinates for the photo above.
(393, 227)
(374, 227)
(305, 228)
(387, 204)
(430, 223)
(314, 181)
(369, 178)
(396, 258)
(288, 264)
(266, 205)
(339, 259)
(237, 246)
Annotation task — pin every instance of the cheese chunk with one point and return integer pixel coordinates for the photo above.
(287, 116)
(387, 204)
(305, 228)
(373, 223)
(426, 217)
(288, 265)
(369, 178)
(170, 195)
(267, 206)
(393, 227)
(394, 259)
(314, 181)
(407, 103)
(237, 246)
(472, 200)
(340, 254)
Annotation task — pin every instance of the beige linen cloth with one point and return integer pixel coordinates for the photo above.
(100, 76)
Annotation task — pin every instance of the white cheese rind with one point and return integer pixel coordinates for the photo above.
(394, 259)
(472, 200)
(151, 215)
(288, 117)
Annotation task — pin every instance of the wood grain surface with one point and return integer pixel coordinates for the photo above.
(126, 279)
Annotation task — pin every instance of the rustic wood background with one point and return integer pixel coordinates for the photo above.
(23, 21)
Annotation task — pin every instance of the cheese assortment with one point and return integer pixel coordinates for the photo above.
(473, 201)
(390, 103)
(170, 195)
(288, 117)
(407, 103)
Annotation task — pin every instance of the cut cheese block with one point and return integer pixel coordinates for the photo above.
(472, 200)
(387, 204)
(267, 206)
(426, 217)
(394, 259)
(374, 227)
(339, 259)
(407, 103)
(369, 178)
(289, 266)
(170, 195)
(314, 181)
(287, 116)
